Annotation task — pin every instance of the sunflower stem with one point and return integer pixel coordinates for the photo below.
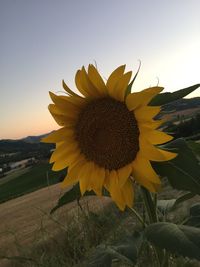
(150, 205)
(165, 262)
(138, 217)
(155, 201)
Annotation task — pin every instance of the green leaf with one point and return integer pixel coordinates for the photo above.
(74, 194)
(166, 205)
(128, 90)
(130, 246)
(165, 98)
(195, 147)
(195, 209)
(179, 239)
(126, 251)
(100, 258)
(184, 197)
(183, 172)
(69, 196)
(194, 219)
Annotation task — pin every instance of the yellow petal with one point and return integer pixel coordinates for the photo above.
(158, 187)
(62, 134)
(167, 154)
(140, 179)
(124, 173)
(85, 177)
(79, 85)
(128, 193)
(74, 169)
(142, 98)
(107, 176)
(154, 124)
(146, 114)
(62, 163)
(63, 149)
(84, 85)
(68, 90)
(154, 136)
(73, 173)
(62, 119)
(150, 152)
(68, 181)
(119, 90)
(143, 166)
(97, 179)
(58, 117)
(114, 77)
(96, 79)
(113, 187)
(65, 107)
(88, 85)
(77, 101)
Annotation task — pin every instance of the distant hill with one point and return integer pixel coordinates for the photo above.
(28, 144)
(12, 146)
(33, 139)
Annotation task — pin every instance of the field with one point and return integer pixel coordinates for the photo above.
(31, 237)
(25, 222)
(25, 182)
(31, 179)
(14, 174)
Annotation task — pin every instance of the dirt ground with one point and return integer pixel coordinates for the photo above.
(21, 218)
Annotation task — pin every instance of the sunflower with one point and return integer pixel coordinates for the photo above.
(108, 138)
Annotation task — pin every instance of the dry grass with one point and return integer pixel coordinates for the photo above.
(69, 236)
(25, 219)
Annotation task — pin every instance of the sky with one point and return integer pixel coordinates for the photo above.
(45, 41)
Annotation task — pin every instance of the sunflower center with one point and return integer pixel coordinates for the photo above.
(107, 133)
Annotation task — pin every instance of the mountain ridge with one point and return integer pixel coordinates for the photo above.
(178, 105)
(28, 139)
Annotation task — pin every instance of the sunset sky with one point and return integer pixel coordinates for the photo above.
(45, 41)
